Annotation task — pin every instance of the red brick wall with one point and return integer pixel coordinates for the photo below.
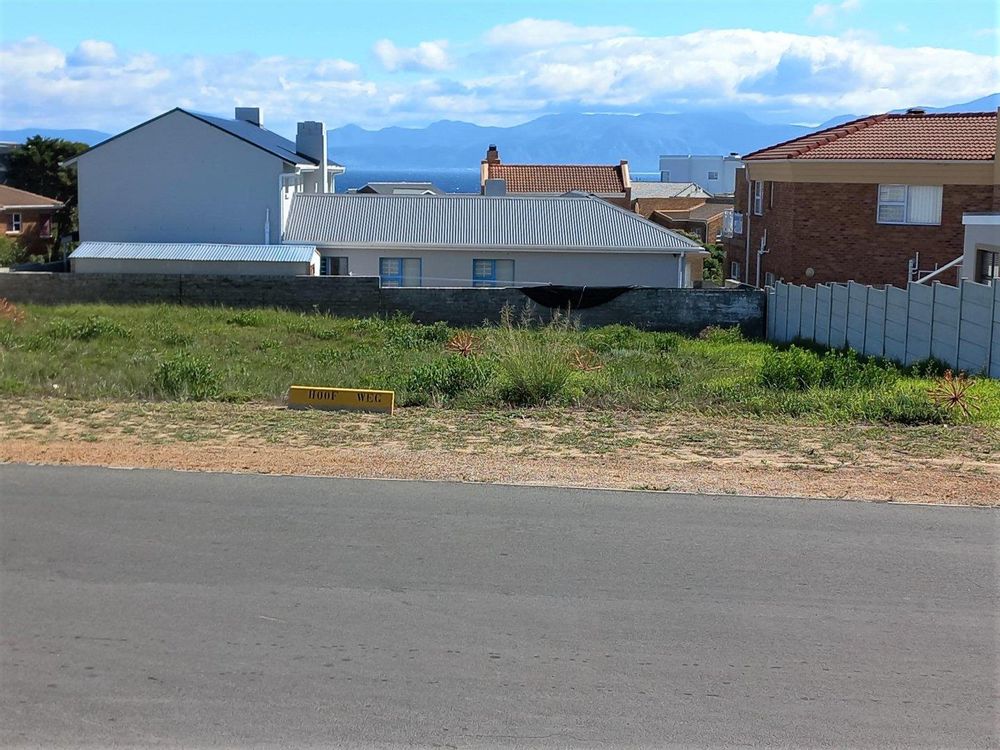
(30, 235)
(831, 228)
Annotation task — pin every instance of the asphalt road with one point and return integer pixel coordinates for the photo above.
(158, 608)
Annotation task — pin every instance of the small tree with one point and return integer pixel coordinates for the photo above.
(714, 263)
(35, 166)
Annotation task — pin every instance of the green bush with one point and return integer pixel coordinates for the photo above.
(720, 335)
(187, 376)
(846, 369)
(11, 252)
(246, 319)
(794, 369)
(446, 378)
(95, 326)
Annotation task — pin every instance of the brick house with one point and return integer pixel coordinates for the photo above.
(878, 200)
(28, 218)
(705, 220)
(608, 181)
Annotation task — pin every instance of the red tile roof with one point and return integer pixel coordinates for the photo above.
(14, 198)
(963, 136)
(558, 178)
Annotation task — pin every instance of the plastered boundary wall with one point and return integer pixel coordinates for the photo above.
(959, 325)
(682, 310)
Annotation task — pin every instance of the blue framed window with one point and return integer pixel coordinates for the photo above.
(399, 271)
(492, 272)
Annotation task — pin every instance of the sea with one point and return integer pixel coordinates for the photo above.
(459, 180)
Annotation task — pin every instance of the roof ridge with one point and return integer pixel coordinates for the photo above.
(33, 195)
(941, 114)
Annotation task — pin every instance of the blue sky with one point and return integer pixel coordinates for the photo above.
(110, 64)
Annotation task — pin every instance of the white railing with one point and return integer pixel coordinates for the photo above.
(957, 325)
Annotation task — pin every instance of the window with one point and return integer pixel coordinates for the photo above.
(332, 266)
(909, 204)
(987, 265)
(768, 279)
(713, 175)
(737, 223)
(734, 271)
(489, 272)
(758, 198)
(399, 271)
(45, 229)
(15, 224)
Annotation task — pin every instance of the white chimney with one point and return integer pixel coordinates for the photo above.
(310, 141)
(250, 114)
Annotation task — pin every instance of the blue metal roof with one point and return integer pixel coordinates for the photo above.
(556, 223)
(194, 251)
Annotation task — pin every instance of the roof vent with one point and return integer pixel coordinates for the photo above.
(916, 111)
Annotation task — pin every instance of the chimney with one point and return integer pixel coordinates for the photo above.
(250, 114)
(310, 141)
(495, 188)
(492, 155)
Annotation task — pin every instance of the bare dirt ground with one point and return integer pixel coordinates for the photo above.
(626, 450)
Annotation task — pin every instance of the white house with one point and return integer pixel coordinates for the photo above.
(716, 174)
(981, 256)
(473, 240)
(191, 177)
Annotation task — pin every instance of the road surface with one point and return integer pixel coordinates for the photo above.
(164, 608)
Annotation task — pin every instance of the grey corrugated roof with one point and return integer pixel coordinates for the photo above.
(557, 223)
(194, 251)
(668, 190)
(260, 137)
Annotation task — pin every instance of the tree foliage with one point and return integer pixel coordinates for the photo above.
(713, 270)
(35, 166)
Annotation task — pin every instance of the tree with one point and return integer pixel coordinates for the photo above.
(35, 166)
(713, 270)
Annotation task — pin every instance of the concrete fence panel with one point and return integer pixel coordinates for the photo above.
(958, 325)
(874, 329)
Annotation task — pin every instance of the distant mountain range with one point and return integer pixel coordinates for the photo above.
(565, 138)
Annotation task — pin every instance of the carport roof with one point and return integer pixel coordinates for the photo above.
(195, 251)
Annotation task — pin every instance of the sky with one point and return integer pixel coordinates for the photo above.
(110, 64)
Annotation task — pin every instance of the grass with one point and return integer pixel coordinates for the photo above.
(143, 353)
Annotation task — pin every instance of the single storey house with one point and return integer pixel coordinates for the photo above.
(28, 218)
(878, 200)
(194, 258)
(471, 240)
(609, 181)
(186, 176)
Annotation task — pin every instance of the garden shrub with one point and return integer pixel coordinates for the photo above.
(447, 378)
(794, 369)
(187, 376)
(846, 369)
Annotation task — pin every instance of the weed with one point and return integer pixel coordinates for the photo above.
(187, 376)
(720, 335)
(11, 312)
(95, 326)
(794, 369)
(246, 319)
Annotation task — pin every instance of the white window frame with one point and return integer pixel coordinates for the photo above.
(396, 280)
(15, 223)
(491, 280)
(325, 263)
(758, 197)
(904, 204)
(735, 271)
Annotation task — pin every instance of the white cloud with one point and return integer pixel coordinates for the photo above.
(93, 52)
(425, 56)
(825, 14)
(537, 33)
(790, 77)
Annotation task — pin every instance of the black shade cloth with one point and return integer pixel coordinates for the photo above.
(573, 297)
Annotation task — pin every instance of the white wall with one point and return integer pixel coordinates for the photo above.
(979, 230)
(454, 267)
(195, 267)
(696, 168)
(178, 179)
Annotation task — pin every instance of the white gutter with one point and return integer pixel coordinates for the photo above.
(53, 206)
(500, 248)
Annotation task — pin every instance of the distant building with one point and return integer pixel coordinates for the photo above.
(400, 188)
(648, 197)
(716, 174)
(611, 182)
(878, 200)
(28, 218)
(473, 240)
(704, 220)
(190, 177)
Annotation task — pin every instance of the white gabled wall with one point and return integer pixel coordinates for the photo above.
(178, 179)
(453, 268)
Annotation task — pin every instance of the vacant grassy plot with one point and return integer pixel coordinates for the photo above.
(163, 352)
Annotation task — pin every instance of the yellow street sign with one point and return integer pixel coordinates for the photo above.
(355, 399)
